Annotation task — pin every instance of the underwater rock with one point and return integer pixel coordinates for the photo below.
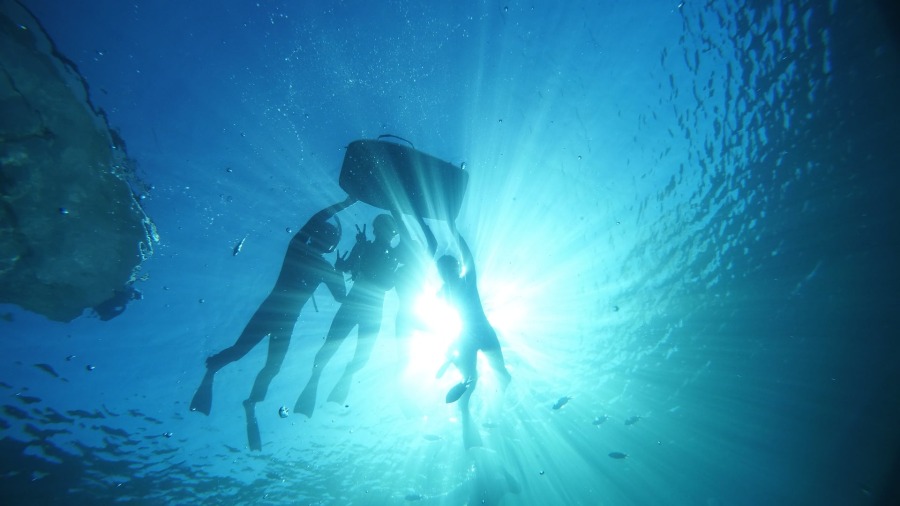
(72, 233)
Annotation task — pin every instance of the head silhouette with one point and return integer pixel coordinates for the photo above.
(384, 227)
(448, 268)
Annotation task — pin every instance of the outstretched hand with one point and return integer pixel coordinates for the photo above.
(361, 234)
(341, 262)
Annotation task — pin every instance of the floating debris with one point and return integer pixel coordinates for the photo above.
(598, 421)
(632, 420)
(562, 402)
(618, 455)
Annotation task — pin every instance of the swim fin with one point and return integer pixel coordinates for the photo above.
(202, 400)
(341, 389)
(306, 403)
(253, 439)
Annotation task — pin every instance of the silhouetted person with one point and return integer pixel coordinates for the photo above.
(304, 268)
(372, 265)
(476, 333)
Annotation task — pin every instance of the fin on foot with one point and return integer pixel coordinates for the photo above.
(202, 400)
(339, 392)
(306, 403)
(253, 439)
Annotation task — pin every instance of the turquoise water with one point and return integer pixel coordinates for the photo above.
(684, 218)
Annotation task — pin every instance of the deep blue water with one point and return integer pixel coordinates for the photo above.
(684, 216)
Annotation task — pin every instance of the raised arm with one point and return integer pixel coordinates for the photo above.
(429, 236)
(468, 262)
(325, 215)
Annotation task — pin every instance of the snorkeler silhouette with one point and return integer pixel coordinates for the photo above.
(372, 265)
(461, 291)
(303, 270)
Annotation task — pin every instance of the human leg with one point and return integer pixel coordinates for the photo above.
(253, 333)
(365, 343)
(490, 346)
(278, 346)
(341, 326)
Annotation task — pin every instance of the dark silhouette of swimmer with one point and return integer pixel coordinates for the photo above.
(461, 291)
(303, 270)
(372, 265)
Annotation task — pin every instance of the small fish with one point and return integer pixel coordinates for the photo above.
(413, 496)
(431, 437)
(239, 246)
(47, 369)
(562, 402)
(598, 421)
(456, 392)
(618, 455)
(632, 420)
(284, 412)
(7, 317)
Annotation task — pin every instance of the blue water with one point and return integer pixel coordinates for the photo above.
(684, 217)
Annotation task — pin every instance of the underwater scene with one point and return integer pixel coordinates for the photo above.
(450, 253)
